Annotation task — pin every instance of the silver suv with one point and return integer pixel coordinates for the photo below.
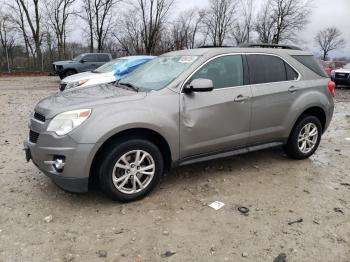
(182, 107)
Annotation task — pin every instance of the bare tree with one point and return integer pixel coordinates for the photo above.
(88, 17)
(329, 39)
(129, 35)
(103, 18)
(7, 36)
(32, 14)
(98, 15)
(219, 19)
(58, 12)
(18, 19)
(265, 24)
(152, 15)
(280, 20)
(242, 29)
(185, 29)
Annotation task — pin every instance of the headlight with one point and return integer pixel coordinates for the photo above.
(76, 83)
(65, 122)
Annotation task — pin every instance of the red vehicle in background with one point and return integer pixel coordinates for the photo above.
(329, 66)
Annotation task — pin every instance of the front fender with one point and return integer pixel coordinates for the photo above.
(106, 121)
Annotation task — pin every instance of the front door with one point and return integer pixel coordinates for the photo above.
(217, 120)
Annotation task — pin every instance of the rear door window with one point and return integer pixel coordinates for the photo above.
(224, 71)
(90, 58)
(102, 58)
(266, 69)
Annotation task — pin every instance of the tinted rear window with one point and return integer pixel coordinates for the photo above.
(103, 58)
(310, 62)
(266, 69)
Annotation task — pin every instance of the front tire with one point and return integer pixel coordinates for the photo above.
(304, 138)
(130, 170)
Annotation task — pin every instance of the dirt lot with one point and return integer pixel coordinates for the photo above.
(176, 217)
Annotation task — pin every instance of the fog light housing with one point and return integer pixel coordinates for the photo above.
(58, 163)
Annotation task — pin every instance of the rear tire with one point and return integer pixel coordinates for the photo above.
(130, 170)
(304, 138)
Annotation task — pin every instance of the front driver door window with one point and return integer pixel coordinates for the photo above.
(214, 121)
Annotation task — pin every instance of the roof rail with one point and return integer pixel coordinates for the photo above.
(213, 46)
(261, 45)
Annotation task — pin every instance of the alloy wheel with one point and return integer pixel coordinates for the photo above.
(133, 171)
(307, 138)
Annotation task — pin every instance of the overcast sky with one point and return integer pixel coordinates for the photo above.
(325, 13)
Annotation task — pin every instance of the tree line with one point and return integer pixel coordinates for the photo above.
(33, 33)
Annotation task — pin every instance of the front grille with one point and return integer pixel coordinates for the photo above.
(33, 136)
(39, 117)
(63, 86)
(342, 75)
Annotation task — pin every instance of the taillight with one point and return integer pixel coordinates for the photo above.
(331, 87)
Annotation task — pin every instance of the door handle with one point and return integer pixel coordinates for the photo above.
(293, 89)
(241, 98)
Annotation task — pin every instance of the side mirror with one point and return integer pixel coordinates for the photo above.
(82, 60)
(199, 85)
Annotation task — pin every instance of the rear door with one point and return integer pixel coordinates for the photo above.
(218, 120)
(89, 63)
(101, 59)
(275, 87)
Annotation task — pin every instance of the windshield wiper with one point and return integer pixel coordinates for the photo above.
(135, 88)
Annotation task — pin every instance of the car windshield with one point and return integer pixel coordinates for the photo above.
(347, 66)
(159, 72)
(78, 58)
(108, 67)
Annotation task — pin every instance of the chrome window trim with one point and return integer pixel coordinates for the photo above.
(230, 54)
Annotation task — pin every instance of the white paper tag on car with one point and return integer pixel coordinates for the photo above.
(217, 205)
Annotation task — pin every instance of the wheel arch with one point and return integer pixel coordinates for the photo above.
(143, 133)
(70, 69)
(314, 111)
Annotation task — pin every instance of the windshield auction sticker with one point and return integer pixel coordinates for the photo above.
(187, 59)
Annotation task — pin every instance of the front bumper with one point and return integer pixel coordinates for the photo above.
(341, 81)
(345, 80)
(74, 176)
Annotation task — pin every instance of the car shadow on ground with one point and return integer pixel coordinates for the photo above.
(181, 177)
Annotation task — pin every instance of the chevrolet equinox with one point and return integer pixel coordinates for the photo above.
(182, 107)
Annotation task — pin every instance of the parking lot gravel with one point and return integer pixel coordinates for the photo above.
(295, 209)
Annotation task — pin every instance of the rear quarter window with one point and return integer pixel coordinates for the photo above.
(103, 58)
(310, 62)
(291, 73)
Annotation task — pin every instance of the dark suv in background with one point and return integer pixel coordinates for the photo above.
(81, 63)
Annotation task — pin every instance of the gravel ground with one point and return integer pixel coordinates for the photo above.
(40, 222)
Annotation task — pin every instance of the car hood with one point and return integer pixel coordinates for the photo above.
(342, 70)
(85, 76)
(65, 62)
(85, 97)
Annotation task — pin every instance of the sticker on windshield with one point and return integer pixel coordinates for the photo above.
(187, 59)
